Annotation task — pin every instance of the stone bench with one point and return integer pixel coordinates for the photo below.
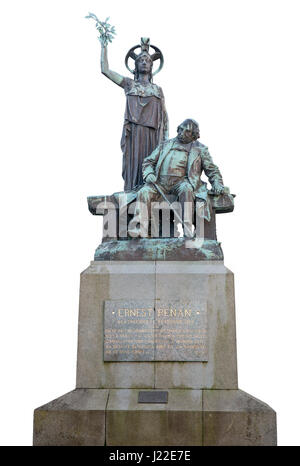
(106, 205)
(120, 246)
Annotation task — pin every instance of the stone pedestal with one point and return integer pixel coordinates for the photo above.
(205, 406)
(87, 417)
(159, 282)
(77, 418)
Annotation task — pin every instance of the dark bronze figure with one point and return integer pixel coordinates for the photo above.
(175, 166)
(146, 119)
(157, 169)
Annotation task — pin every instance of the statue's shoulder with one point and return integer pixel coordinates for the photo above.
(159, 90)
(155, 90)
(199, 146)
(165, 144)
(168, 142)
(127, 84)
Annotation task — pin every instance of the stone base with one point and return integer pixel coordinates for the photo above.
(191, 417)
(161, 282)
(235, 418)
(160, 249)
(75, 419)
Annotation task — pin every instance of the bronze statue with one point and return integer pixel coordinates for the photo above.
(146, 119)
(175, 167)
(155, 168)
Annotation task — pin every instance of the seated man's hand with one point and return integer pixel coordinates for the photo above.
(151, 178)
(218, 188)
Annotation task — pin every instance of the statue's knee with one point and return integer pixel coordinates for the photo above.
(186, 190)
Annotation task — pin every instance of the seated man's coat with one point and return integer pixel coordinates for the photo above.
(199, 160)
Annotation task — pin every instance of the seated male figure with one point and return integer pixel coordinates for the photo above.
(175, 167)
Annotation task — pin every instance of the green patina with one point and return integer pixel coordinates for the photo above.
(159, 249)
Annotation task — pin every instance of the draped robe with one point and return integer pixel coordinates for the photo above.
(145, 126)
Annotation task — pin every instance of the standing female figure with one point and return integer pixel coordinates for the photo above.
(146, 119)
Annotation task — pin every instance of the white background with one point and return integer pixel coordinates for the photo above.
(232, 65)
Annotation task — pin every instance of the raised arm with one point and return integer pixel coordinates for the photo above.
(112, 75)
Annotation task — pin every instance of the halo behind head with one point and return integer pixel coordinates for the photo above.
(144, 46)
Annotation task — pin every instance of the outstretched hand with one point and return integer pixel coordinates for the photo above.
(218, 188)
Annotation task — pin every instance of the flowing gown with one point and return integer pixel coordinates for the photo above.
(145, 126)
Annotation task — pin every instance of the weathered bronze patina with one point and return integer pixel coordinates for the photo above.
(157, 170)
(146, 119)
(175, 167)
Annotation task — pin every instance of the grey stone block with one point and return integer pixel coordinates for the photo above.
(234, 418)
(204, 405)
(178, 422)
(74, 419)
(207, 282)
(190, 417)
(211, 283)
(110, 281)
